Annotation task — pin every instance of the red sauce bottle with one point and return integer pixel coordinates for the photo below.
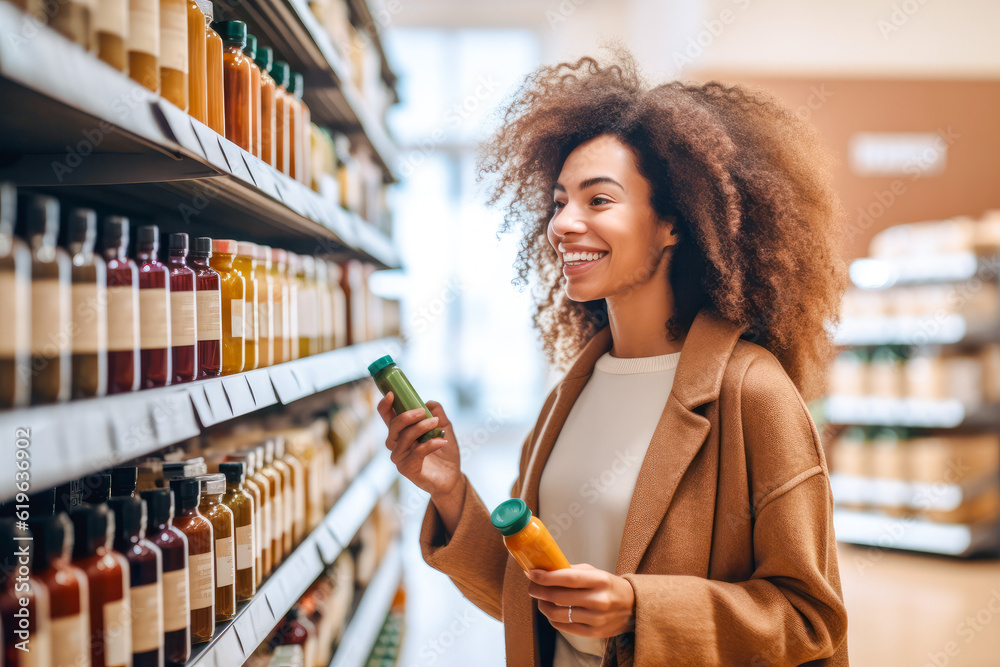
(174, 546)
(183, 320)
(154, 311)
(208, 294)
(201, 556)
(23, 599)
(123, 308)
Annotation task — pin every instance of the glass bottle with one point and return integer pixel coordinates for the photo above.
(268, 138)
(232, 286)
(183, 311)
(144, 43)
(123, 308)
(174, 63)
(145, 562)
(281, 74)
(215, 79)
(287, 493)
(74, 19)
(89, 301)
(107, 582)
(255, 128)
(278, 514)
(259, 487)
(246, 264)
(265, 306)
(239, 500)
(212, 489)
(339, 305)
(124, 480)
(18, 594)
(295, 134)
(282, 348)
(154, 311)
(50, 301)
(236, 73)
(209, 307)
(308, 306)
(324, 302)
(111, 25)
(305, 123)
(69, 599)
(201, 556)
(197, 63)
(173, 544)
(15, 299)
(298, 487)
(291, 274)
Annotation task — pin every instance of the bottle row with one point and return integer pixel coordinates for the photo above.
(83, 321)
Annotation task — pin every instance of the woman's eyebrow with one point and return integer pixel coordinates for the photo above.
(590, 182)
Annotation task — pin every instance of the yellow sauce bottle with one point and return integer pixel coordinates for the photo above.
(174, 61)
(197, 63)
(308, 306)
(526, 537)
(111, 33)
(233, 288)
(239, 500)
(144, 42)
(277, 488)
(246, 264)
(282, 344)
(292, 272)
(265, 307)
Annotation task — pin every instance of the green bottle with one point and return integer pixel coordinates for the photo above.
(389, 377)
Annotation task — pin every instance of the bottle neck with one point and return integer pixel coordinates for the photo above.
(178, 257)
(199, 260)
(234, 487)
(85, 248)
(223, 261)
(189, 511)
(211, 499)
(233, 47)
(118, 251)
(146, 253)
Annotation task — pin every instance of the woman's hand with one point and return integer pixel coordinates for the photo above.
(603, 603)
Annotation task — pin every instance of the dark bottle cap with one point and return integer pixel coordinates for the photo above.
(123, 480)
(281, 73)
(187, 494)
(203, 246)
(116, 231)
(159, 506)
(264, 58)
(41, 215)
(12, 538)
(235, 471)
(95, 488)
(149, 234)
(92, 525)
(82, 226)
(249, 457)
(129, 517)
(179, 241)
(212, 485)
(232, 32)
(298, 85)
(52, 538)
(251, 48)
(8, 207)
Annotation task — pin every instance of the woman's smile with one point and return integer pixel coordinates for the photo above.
(575, 263)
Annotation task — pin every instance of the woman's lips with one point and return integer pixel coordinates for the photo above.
(575, 270)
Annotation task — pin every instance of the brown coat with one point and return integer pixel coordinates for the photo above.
(729, 542)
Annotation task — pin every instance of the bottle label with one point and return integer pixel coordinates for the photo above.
(173, 34)
(123, 325)
(176, 615)
(14, 335)
(225, 562)
(308, 322)
(144, 26)
(111, 18)
(236, 315)
(202, 570)
(182, 318)
(72, 648)
(147, 617)
(154, 318)
(244, 547)
(209, 314)
(50, 332)
(117, 633)
(250, 321)
(89, 317)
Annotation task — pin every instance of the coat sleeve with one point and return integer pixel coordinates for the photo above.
(791, 610)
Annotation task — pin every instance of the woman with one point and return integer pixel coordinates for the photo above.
(684, 240)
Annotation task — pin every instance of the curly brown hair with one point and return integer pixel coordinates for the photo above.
(744, 179)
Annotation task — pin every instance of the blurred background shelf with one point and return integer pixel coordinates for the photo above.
(887, 532)
(909, 412)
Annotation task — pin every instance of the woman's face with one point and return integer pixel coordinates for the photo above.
(604, 229)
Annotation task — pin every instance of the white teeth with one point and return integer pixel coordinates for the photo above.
(570, 257)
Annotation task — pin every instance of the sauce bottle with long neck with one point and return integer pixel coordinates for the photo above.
(111, 33)
(239, 500)
(281, 74)
(154, 311)
(123, 308)
(209, 316)
(183, 311)
(278, 515)
(201, 556)
(233, 288)
(145, 580)
(258, 487)
(215, 80)
(265, 306)
(255, 83)
(174, 62)
(15, 299)
(238, 87)
(50, 300)
(211, 507)
(89, 307)
(144, 42)
(24, 601)
(108, 583)
(173, 544)
(246, 264)
(304, 132)
(197, 62)
(268, 89)
(282, 349)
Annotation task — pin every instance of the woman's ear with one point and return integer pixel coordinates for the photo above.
(669, 235)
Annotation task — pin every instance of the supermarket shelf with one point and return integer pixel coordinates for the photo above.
(111, 143)
(887, 532)
(74, 439)
(908, 330)
(923, 496)
(364, 626)
(361, 9)
(235, 641)
(877, 274)
(910, 412)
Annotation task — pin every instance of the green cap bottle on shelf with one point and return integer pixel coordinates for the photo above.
(264, 58)
(298, 85)
(232, 32)
(281, 73)
(388, 377)
(251, 48)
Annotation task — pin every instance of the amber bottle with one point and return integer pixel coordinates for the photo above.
(18, 594)
(268, 146)
(183, 311)
(279, 514)
(89, 301)
(265, 306)
(123, 308)
(304, 119)
(215, 79)
(255, 112)
(174, 62)
(296, 153)
(212, 489)
(174, 547)
(283, 147)
(201, 556)
(287, 494)
(271, 488)
(257, 485)
(238, 88)
(308, 306)
(108, 584)
(144, 42)
(209, 315)
(50, 299)
(282, 344)
(145, 579)
(298, 477)
(246, 263)
(110, 31)
(15, 298)
(154, 311)
(233, 289)
(197, 63)
(239, 500)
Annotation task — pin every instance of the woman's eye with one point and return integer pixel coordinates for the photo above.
(599, 201)
(558, 204)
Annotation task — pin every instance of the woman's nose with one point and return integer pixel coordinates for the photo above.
(568, 221)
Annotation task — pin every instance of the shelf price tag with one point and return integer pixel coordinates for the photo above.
(238, 391)
(261, 387)
(217, 401)
(234, 158)
(209, 140)
(173, 416)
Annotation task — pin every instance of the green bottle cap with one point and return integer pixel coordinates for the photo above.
(281, 73)
(379, 364)
(511, 516)
(298, 85)
(251, 47)
(232, 32)
(265, 58)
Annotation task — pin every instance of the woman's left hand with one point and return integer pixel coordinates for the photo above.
(603, 603)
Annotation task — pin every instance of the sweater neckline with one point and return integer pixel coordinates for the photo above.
(636, 365)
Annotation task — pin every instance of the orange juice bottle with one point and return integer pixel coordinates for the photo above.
(236, 74)
(246, 263)
(526, 537)
(255, 130)
(197, 65)
(174, 62)
(283, 117)
(214, 77)
(268, 90)
(144, 42)
(305, 120)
